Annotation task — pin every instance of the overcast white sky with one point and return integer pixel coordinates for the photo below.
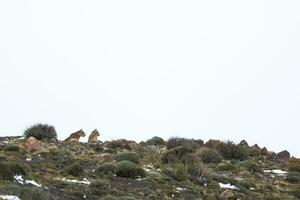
(135, 69)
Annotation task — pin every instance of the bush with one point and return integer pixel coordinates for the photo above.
(35, 194)
(294, 165)
(251, 166)
(180, 172)
(106, 170)
(229, 150)
(177, 171)
(296, 193)
(126, 198)
(121, 143)
(175, 154)
(131, 156)
(210, 156)
(194, 165)
(75, 170)
(109, 197)
(227, 167)
(293, 177)
(176, 141)
(129, 169)
(99, 187)
(155, 141)
(9, 169)
(41, 132)
(12, 148)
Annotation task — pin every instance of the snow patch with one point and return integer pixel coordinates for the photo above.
(32, 182)
(228, 186)
(276, 171)
(180, 189)
(28, 159)
(84, 181)
(9, 197)
(19, 179)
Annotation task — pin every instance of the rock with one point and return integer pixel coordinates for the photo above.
(226, 194)
(35, 146)
(284, 155)
(243, 143)
(264, 151)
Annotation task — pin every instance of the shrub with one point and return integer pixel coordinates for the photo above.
(175, 154)
(35, 194)
(12, 148)
(296, 193)
(106, 170)
(99, 187)
(194, 165)
(131, 156)
(121, 143)
(210, 156)
(176, 141)
(227, 167)
(177, 171)
(155, 141)
(126, 198)
(293, 177)
(109, 197)
(9, 169)
(231, 151)
(129, 169)
(212, 143)
(251, 166)
(180, 172)
(41, 132)
(294, 165)
(75, 170)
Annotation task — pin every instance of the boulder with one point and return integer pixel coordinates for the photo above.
(284, 155)
(243, 143)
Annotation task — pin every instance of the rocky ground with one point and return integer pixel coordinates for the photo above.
(154, 169)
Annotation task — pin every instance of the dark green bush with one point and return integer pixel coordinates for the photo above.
(210, 156)
(175, 154)
(75, 169)
(251, 166)
(41, 132)
(131, 156)
(129, 169)
(293, 177)
(99, 187)
(229, 151)
(155, 141)
(106, 170)
(11, 148)
(176, 141)
(9, 169)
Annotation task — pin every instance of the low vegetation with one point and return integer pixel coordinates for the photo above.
(178, 168)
